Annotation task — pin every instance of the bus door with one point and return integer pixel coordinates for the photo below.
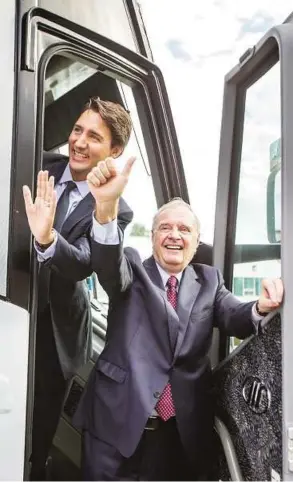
(62, 64)
(253, 240)
(14, 317)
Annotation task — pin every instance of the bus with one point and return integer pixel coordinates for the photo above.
(56, 56)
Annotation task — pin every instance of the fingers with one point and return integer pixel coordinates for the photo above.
(105, 170)
(128, 166)
(27, 198)
(42, 187)
(279, 289)
(273, 290)
(111, 165)
(53, 202)
(93, 179)
(102, 172)
(49, 191)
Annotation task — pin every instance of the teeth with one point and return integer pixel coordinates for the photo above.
(177, 248)
(76, 153)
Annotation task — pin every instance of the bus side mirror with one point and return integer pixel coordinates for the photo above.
(274, 205)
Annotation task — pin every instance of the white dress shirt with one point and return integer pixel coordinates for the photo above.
(75, 196)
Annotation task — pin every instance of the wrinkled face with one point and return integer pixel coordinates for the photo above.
(175, 238)
(89, 143)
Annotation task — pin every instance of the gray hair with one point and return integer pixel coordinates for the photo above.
(175, 202)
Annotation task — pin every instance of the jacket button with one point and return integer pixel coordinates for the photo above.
(157, 394)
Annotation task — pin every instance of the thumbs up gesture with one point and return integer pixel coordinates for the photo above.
(107, 184)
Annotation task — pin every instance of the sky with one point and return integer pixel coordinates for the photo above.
(195, 44)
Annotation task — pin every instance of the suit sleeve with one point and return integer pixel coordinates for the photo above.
(71, 261)
(125, 215)
(112, 266)
(232, 316)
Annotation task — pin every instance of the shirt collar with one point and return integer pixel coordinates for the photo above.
(82, 186)
(165, 276)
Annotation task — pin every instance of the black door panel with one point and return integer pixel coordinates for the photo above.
(248, 393)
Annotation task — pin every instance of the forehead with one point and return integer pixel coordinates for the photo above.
(92, 120)
(175, 216)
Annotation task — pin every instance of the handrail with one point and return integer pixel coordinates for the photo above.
(229, 450)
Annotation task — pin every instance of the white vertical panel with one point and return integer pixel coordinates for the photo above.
(14, 329)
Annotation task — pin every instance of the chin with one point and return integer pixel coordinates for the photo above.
(174, 267)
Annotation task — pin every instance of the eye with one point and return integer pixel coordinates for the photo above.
(165, 228)
(184, 229)
(77, 129)
(96, 138)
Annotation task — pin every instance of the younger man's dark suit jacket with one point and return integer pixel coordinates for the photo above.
(149, 343)
(61, 278)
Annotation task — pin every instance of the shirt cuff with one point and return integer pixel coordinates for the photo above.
(47, 253)
(105, 233)
(255, 315)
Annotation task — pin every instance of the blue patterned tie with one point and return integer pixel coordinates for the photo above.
(63, 205)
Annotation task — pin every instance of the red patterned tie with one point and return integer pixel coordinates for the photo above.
(165, 406)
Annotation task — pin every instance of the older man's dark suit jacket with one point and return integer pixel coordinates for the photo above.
(61, 277)
(149, 343)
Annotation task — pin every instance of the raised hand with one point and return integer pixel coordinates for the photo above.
(271, 295)
(41, 213)
(107, 184)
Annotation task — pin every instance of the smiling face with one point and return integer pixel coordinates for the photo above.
(175, 238)
(89, 143)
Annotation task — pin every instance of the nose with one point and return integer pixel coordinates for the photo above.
(81, 141)
(174, 233)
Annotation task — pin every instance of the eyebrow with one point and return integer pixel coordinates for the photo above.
(95, 133)
(91, 131)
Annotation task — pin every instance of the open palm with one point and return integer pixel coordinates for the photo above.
(41, 213)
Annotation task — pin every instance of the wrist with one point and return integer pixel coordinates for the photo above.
(106, 212)
(46, 241)
(258, 310)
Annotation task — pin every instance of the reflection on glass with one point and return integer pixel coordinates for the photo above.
(63, 74)
(277, 205)
(262, 127)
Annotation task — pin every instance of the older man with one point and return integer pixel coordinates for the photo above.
(147, 412)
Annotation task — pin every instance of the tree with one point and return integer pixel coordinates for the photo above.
(139, 230)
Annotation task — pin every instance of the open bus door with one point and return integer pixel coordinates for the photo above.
(60, 61)
(253, 239)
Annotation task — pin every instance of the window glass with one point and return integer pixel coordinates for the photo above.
(97, 15)
(262, 127)
(63, 74)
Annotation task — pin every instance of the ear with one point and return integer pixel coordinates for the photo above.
(116, 151)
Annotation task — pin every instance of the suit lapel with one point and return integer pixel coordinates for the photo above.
(153, 272)
(57, 168)
(172, 317)
(188, 291)
(84, 208)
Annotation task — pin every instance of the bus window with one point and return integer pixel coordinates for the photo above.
(70, 82)
(262, 127)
